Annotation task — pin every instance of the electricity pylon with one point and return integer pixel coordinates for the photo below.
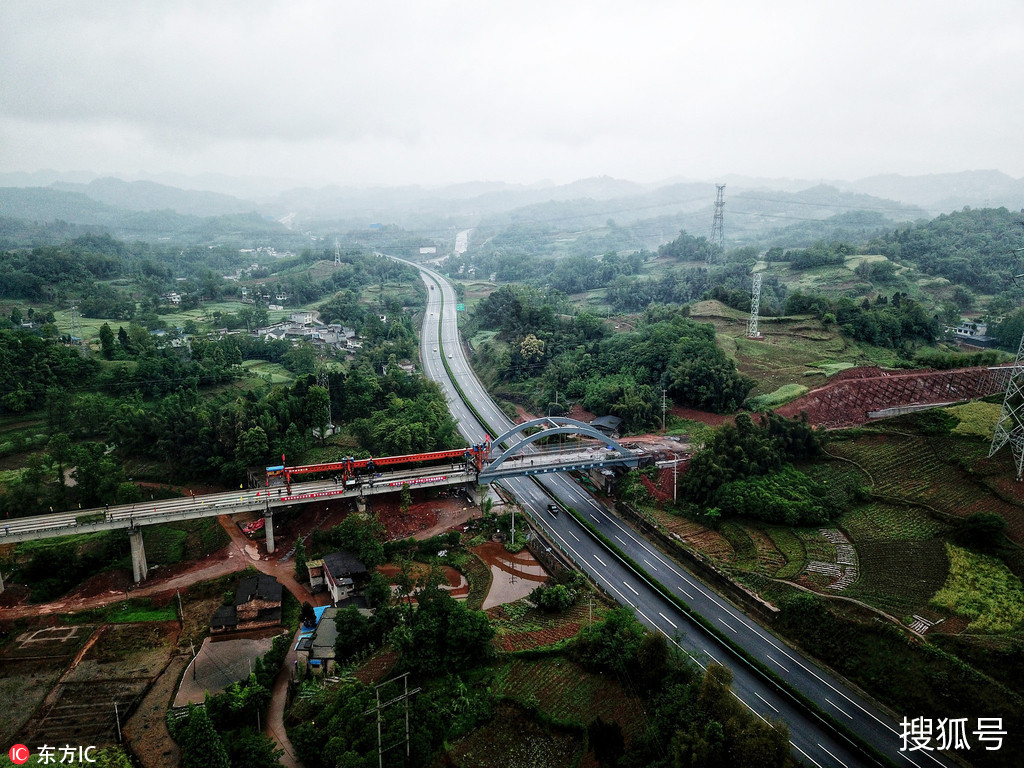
(717, 224)
(755, 308)
(1010, 427)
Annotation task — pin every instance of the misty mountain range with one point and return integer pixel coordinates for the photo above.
(753, 205)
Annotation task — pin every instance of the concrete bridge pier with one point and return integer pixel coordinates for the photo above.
(361, 505)
(139, 565)
(268, 527)
(1, 581)
(476, 493)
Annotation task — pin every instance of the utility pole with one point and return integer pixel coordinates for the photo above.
(663, 393)
(675, 477)
(337, 253)
(381, 749)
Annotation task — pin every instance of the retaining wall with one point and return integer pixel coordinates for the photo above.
(847, 402)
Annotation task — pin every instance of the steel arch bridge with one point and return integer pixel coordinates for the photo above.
(556, 425)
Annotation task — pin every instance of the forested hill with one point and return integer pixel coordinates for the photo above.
(19, 206)
(972, 248)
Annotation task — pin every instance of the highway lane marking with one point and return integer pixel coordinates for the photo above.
(666, 618)
(573, 535)
(622, 540)
(684, 592)
(602, 562)
(630, 588)
(727, 626)
(805, 754)
(708, 654)
(773, 660)
(715, 599)
(911, 761)
(649, 565)
(754, 630)
(833, 756)
(762, 698)
(828, 700)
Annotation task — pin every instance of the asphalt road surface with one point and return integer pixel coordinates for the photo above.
(815, 740)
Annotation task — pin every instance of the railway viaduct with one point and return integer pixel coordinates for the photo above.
(511, 462)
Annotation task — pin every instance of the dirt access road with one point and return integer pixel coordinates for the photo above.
(153, 745)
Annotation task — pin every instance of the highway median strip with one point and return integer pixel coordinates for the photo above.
(755, 665)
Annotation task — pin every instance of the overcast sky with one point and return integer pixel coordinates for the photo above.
(435, 92)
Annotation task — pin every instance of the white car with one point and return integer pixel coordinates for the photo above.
(435, 349)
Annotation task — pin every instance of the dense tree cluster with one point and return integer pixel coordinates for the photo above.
(694, 720)
(441, 643)
(30, 365)
(113, 280)
(971, 248)
(620, 374)
(898, 322)
(160, 416)
(539, 253)
(729, 283)
(818, 254)
(746, 470)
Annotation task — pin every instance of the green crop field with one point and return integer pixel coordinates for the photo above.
(784, 394)
(982, 588)
(514, 737)
(899, 576)
(277, 373)
(977, 419)
(815, 545)
(744, 549)
(928, 470)
(770, 559)
(566, 692)
(880, 521)
(521, 627)
(792, 549)
(792, 345)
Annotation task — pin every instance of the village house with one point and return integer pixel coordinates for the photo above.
(337, 573)
(257, 604)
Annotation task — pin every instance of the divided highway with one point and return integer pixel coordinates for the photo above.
(815, 740)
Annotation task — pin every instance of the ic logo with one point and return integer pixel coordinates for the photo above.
(19, 754)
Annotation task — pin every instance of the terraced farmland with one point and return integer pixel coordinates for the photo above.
(570, 694)
(926, 470)
(900, 576)
(512, 737)
(897, 465)
(881, 521)
(519, 628)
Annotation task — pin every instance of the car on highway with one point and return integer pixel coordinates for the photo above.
(553, 509)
